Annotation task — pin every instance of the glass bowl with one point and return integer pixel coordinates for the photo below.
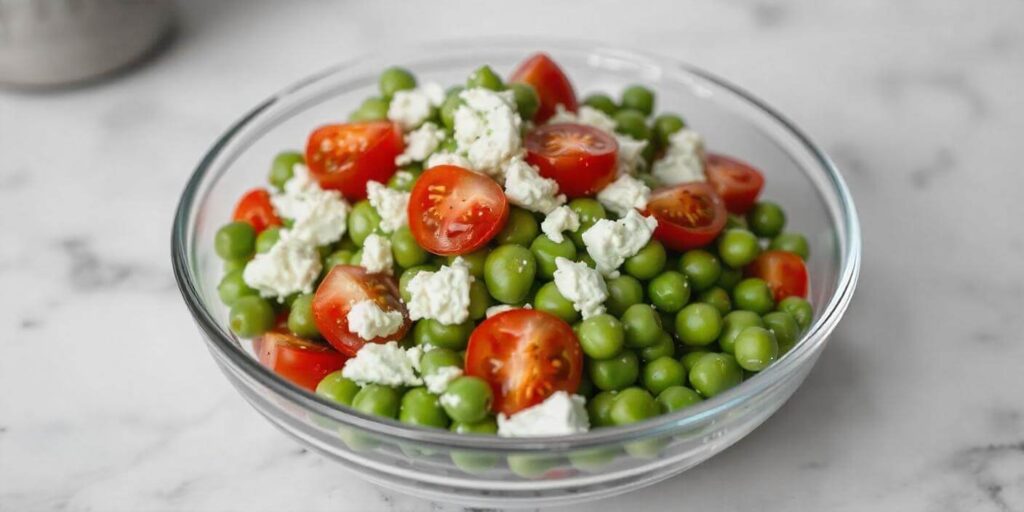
(489, 471)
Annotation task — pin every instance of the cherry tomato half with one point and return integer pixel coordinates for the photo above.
(255, 208)
(784, 272)
(689, 215)
(737, 183)
(298, 360)
(580, 158)
(455, 211)
(551, 84)
(344, 157)
(525, 355)
(344, 286)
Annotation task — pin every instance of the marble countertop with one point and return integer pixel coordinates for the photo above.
(108, 401)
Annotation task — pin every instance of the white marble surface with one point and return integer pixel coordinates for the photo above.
(108, 401)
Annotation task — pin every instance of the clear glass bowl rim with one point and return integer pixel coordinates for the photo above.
(228, 351)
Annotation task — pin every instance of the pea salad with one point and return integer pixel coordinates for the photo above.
(499, 257)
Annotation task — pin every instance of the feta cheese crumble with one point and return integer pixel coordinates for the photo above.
(624, 195)
(442, 295)
(384, 363)
(410, 108)
(319, 216)
(369, 321)
(582, 285)
(501, 308)
(610, 242)
(390, 204)
(558, 220)
(683, 161)
(377, 254)
(290, 266)
(438, 381)
(560, 414)
(420, 144)
(445, 158)
(630, 150)
(487, 129)
(525, 187)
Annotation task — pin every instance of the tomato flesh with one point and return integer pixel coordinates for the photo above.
(689, 215)
(736, 182)
(580, 158)
(345, 157)
(455, 211)
(525, 355)
(255, 208)
(298, 360)
(552, 86)
(785, 273)
(344, 286)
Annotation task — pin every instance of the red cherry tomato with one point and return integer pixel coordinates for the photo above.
(344, 157)
(255, 208)
(525, 355)
(551, 84)
(737, 183)
(580, 158)
(455, 211)
(298, 360)
(344, 286)
(784, 272)
(690, 215)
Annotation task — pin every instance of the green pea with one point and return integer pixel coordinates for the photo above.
(665, 126)
(616, 373)
(753, 294)
(396, 79)
(633, 123)
(452, 102)
(663, 373)
(729, 278)
(509, 272)
(467, 399)
(372, 109)
(738, 247)
(236, 240)
(792, 242)
(346, 244)
(669, 291)
(232, 286)
(632, 405)
(362, 221)
(756, 348)
(601, 336)
(800, 309)
(470, 461)
(736, 221)
(528, 465)
(479, 300)
(233, 265)
(407, 275)
(785, 329)
(701, 268)
(690, 358)
(546, 251)
(623, 292)
(589, 211)
(592, 459)
(434, 360)
(300, 318)
(251, 316)
(550, 300)
(377, 400)
(587, 260)
(640, 98)
(673, 398)
(281, 168)
(599, 409)
(647, 262)
(733, 324)
(421, 407)
(642, 326)
(485, 77)
(766, 219)
(336, 388)
(601, 102)
(715, 373)
(664, 347)
(474, 260)
(698, 324)
(432, 332)
(486, 426)
(267, 239)
(406, 251)
(521, 228)
(717, 297)
(527, 101)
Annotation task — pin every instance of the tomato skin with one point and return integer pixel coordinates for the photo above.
(254, 207)
(525, 355)
(736, 182)
(343, 286)
(300, 361)
(552, 86)
(784, 271)
(689, 215)
(345, 157)
(580, 158)
(455, 211)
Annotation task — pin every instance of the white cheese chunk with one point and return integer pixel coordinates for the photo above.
(487, 129)
(369, 321)
(384, 363)
(610, 242)
(624, 194)
(445, 158)
(290, 266)
(420, 144)
(442, 295)
(501, 308)
(390, 204)
(683, 161)
(582, 285)
(630, 156)
(559, 415)
(437, 382)
(558, 220)
(377, 255)
(525, 187)
(319, 216)
(410, 108)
